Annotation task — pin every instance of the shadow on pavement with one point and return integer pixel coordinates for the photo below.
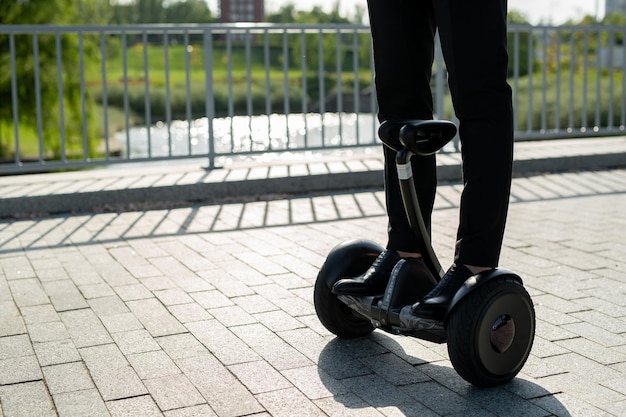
(376, 372)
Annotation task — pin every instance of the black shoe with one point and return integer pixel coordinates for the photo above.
(434, 305)
(375, 279)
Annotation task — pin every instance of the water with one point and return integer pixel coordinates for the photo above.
(250, 134)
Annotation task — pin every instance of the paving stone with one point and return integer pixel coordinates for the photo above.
(135, 341)
(294, 306)
(142, 406)
(56, 352)
(85, 328)
(618, 384)
(226, 283)
(157, 283)
(115, 275)
(278, 321)
(566, 405)
(314, 382)
(232, 316)
(260, 263)
(17, 268)
(593, 394)
(255, 304)
(151, 365)
(595, 333)
(195, 411)
(173, 391)
(11, 325)
(64, 295)
(98, 290)
(67, 378)
(273, 349)
(27, 400)
(123, 322)
(48, 332)
(19, 369)
(111, 372)
(80, 403)
(394, 369)
(543, 348)
(108, 306)
(222, 342)
(211, 299)
(15, 347)
(382, 395)
(44, 313)
(259, 376)
(28, 292)
(502, 403)
(553, 332)
(611, 321)
(347, 405)
(173, 296)
(593, 350)
(283, 402)
(182, 346)
(186, 313)
(225, 394)
(440, 399)
(155, 317)
(579, 365)
(133, 292)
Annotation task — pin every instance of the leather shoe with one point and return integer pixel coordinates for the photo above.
(375, 279)
(434, 305)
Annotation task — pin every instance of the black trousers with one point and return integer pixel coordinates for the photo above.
(473, 38)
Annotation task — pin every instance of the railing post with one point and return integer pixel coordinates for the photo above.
(209, 105)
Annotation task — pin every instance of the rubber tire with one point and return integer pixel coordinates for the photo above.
(469, 345)
(337, 317)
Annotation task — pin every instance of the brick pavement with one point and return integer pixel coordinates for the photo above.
(206, 310)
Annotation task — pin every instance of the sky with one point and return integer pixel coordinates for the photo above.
(536, 11)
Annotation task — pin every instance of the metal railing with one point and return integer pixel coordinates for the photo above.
(80, 96)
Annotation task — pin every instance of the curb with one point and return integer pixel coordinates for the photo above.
(241, 188)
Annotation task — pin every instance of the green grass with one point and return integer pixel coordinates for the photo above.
(570, 101)
(239, 78)
(229, 71)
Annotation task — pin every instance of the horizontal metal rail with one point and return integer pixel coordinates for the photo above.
(81, 96)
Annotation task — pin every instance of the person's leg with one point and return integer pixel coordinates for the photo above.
(402, 34)
(473, 37)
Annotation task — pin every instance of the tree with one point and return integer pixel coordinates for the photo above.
(524, 65)
(189, 11)
(149, 11)
(45, 12)
(289, 14)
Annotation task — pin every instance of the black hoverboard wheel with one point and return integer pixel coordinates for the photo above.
(346, 260)
(491, 331)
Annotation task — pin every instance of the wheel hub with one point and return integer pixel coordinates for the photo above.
(502, 333)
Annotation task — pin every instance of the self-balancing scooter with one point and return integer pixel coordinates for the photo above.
(490, 323)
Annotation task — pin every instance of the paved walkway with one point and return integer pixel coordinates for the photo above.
(206, 310)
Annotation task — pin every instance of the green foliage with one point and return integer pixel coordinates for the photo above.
(157, 11)
(336, 49)
(569, 106)
(518, 41)
(47, 12)
(289, 14)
